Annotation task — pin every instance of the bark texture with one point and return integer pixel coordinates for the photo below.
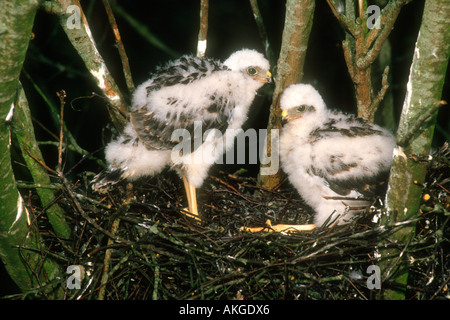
(297, 27)
(27, 268)
(415, 133)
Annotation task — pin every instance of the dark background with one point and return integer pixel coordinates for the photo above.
(52, 64)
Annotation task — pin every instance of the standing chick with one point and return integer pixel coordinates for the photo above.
(184, 102)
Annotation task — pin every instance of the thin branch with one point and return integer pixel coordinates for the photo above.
(61, 95)
(387, 274)
(387, 13)
(263, 34)
(120, 47)
(348, 56)
(361, 8)
(374, 32)
(202, 34)
(343, 20)
(71, 194)
(391, 15)
(42, 163)
(380, 96)
(55, 117)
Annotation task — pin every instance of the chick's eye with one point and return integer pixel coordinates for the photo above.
(301, 108)
(252, 71)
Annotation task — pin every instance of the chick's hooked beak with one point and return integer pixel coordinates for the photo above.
(284, 117)
(266, 78)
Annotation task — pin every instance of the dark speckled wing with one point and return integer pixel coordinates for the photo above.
(368, 186)
(156, 133)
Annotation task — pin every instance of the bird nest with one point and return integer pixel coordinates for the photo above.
(134, 243)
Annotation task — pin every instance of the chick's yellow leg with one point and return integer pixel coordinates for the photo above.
(191, 195)
(286, 228)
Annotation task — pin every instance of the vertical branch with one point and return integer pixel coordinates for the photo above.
(62, 96)
(120, 47)
(203, 32)
(294, 43)
(386, 110)
(361, 7)
(263, 35)
(415, 133)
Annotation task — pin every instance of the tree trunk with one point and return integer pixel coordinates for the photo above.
(297, 27)
(415, 133)
(25, 267)
(23, 129)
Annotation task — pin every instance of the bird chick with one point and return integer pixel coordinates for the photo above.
(190, 96)
(337, 162)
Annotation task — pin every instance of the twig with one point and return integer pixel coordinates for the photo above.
(346, 198)
(361, 47)
(120, 47)
(391, 13)
(55, 117)
(201, 45)
(283, 212)
(374, 32)
(361, 8)
(356, 288)
(74, 199)
(235, 190)
(61, 95)
(263, 34)
(441, 288)
(389, 273)
(85, 157)
(42, 163)
(380, 96)
(349, 60)
(343, 20)
(157, 277)
(29, 185)
(107, 260)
